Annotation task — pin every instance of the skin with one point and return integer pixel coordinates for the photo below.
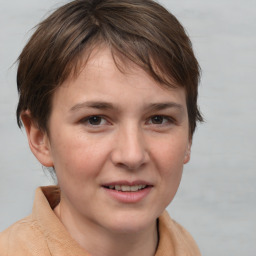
(107, 126)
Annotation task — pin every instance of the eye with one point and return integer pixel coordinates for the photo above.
(157, 119)
(160, 120)
(94, 120)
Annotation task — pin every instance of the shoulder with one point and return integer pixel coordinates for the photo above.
(23, 236)
(171, 232)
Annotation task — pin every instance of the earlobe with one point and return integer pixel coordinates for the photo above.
(38, 140)
(187, 154)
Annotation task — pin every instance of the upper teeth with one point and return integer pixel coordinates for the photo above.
(125, 188)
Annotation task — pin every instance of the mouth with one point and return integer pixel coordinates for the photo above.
(128, 192)
(126, 188)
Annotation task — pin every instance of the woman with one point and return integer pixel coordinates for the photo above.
(108, 98)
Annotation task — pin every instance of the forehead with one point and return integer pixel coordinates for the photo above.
(96, 52)
(100, 56)
(102, 67)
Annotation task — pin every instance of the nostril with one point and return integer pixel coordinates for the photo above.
(131, 166)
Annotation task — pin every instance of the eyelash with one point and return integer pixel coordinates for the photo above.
(168, 120)
(87, 120)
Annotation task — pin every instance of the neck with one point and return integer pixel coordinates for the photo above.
(98, 241)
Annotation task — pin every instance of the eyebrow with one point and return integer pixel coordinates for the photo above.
(92, 104)
(164, 105)
(107, 106)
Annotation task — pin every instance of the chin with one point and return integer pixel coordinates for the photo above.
(131, 222)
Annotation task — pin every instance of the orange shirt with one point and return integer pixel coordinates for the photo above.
(42, 233)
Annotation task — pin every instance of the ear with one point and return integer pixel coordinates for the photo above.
(38, 140)
(188, 152)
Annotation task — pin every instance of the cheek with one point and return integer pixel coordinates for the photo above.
(169, 154)
(171, 169)
(170, 175)
(169, 158)
(77, 157)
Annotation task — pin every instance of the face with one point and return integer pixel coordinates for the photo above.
(118, 142)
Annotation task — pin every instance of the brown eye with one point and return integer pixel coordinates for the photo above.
(157, 119)
(160, 120)
(94, 121)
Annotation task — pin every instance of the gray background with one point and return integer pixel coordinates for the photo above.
(217, 198)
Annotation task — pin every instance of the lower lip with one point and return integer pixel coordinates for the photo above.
(128, 197)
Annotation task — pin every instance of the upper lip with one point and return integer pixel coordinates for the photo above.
(127, 183)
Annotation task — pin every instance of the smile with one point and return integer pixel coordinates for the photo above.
(128, 192)
(126, 188)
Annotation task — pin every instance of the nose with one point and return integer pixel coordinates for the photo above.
(130, 149)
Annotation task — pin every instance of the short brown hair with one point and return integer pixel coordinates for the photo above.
(139, 30)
